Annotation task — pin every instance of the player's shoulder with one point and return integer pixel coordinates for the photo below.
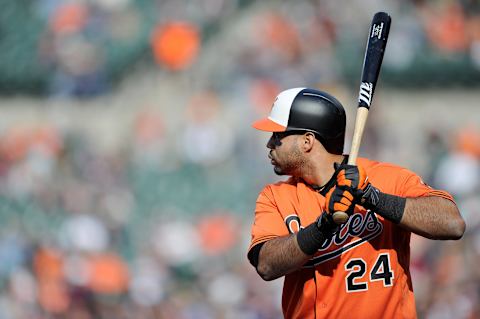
(370, 164)
(278, 189)
(284, 186)
(291, 182)
(382, 168)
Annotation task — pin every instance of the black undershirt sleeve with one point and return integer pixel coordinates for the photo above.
(254, 253)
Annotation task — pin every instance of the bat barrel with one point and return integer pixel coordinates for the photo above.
(376, 44)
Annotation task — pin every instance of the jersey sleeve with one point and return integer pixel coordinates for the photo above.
(414, 186)
(268, 222)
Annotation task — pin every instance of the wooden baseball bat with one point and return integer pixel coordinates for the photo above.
(372, 62)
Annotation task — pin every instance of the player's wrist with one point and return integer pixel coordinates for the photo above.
(391, 207)
(312, 237)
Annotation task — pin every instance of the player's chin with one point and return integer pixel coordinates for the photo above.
(278, 170)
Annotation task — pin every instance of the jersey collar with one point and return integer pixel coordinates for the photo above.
(323, 190)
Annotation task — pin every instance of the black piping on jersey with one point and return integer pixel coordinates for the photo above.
(316, 292)
(323, 190)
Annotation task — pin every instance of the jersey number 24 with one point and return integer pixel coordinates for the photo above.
(357, 267)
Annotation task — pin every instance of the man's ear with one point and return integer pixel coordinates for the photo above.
(308, 141)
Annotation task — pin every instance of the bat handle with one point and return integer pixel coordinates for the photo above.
(340, 217)
(362, 115)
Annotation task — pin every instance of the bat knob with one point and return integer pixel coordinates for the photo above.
(340, 217)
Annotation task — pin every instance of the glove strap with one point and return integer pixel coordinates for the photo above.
(370, 196)
(312, 237)
(389, 206)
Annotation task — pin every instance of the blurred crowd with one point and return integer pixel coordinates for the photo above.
(83, 48)
(130, 233)
(442, 289)
(158, 226)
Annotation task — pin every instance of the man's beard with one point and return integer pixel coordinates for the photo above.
(292, 168)
(278, 170)
(285, 171)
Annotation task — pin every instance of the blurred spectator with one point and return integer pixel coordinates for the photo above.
(176, 242)
(77, 61)
(445, 25)
(207, 138)
(150, 145)
(175, 45)
(84, 233)
(218, 233)
(459, 171)
(108, 274)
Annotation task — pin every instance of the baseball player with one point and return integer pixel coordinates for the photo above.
(356, 270)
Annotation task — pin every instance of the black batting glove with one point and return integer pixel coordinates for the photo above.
(352, 178)
(355, 179)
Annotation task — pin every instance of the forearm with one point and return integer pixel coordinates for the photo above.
(279, 257)
(433, 217)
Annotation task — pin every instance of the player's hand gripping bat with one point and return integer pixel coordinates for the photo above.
(376, 43)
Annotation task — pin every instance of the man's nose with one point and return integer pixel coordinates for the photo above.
(271, 143)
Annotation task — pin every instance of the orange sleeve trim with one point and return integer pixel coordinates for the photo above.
(441, 194)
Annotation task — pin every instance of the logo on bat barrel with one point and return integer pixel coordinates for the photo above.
(377, 31)
(365, 94)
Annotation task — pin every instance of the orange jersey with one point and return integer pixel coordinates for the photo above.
(363, 271)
